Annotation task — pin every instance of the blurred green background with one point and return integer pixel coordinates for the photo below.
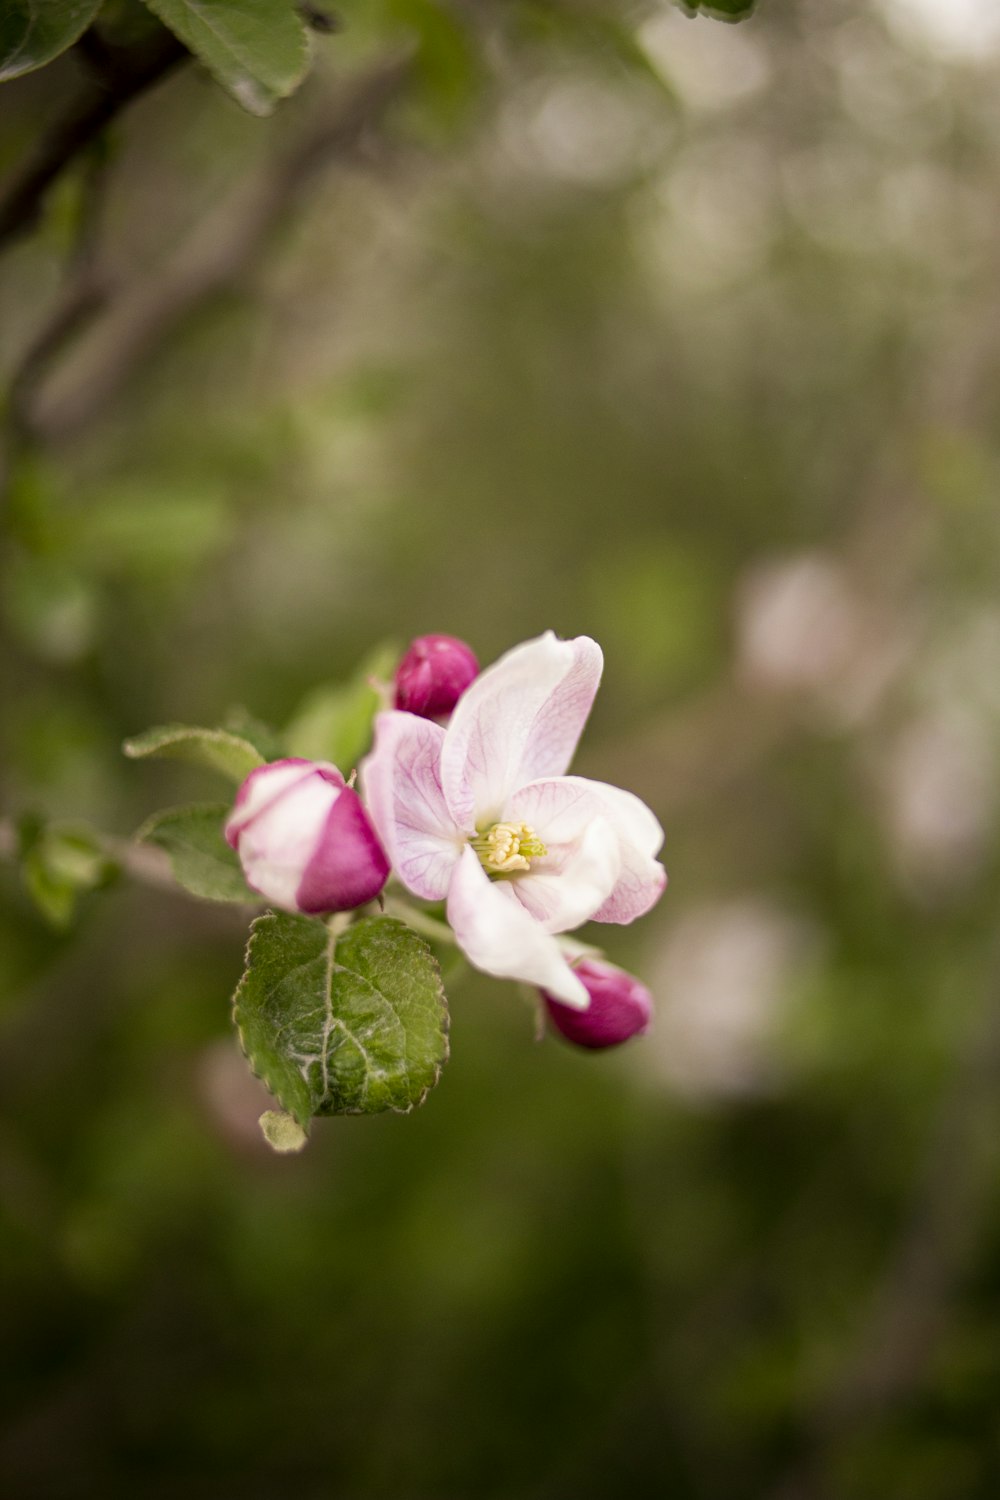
(683, 335)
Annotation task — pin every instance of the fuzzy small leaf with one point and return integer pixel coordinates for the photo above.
(59, 865)
(33, 32)
(354, 1024)
(201, 860)
(219, 749)
(334, 722)
(281, 1132)
(257, 49)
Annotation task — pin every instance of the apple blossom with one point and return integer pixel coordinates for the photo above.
(433, 674)
(482, 815)
(620, 1007)
(304, 839)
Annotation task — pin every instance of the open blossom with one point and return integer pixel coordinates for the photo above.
(620, 1007)
(304, 839)
(482, 815)
(433, 675)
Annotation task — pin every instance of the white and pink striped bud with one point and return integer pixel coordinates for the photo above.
(304, 839)
(433, 675)
(620, 1007)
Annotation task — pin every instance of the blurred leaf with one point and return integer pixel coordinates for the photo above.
(60, 864)
(150, 527)
(217, 748)
(354, 1024)
(334, 722)
(51, 607)
(202, 862)
(257, 49)
(723, 10)
(268, 741)
(33, 32)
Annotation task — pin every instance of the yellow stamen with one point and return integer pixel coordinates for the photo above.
(508, 847)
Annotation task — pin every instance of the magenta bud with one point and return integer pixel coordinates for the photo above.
(304, 838)
(620, 1007)
(434, 674)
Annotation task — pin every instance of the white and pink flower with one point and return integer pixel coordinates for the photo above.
(433, 675)
(481, 815)
(304, 840)
(620, 1007)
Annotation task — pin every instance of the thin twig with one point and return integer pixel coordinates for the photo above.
(215, 256)
(127, 75)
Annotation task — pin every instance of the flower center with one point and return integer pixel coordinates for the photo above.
(508, 847)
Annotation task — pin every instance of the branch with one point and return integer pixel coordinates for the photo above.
(123, 76)
(215, 255)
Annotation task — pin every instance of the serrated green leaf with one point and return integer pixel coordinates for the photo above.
(257, 49)
(219, 749)
(33, 32)
(335, 721)
(354, 1024)
(201, 860)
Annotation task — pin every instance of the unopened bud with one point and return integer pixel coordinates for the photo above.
(433, 675)
(304, 839)
(620, 1007)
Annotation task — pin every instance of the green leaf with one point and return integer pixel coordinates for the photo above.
(33, 32)
(257, 49)
(201, 860)
(723, 10)
(219, 749)
(353, 1024)
(240, 721)
(59, 865)
(335, 721)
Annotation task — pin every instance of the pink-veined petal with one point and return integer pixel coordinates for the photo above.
(267, 783)
(520, 719)
(640, 838)
(348, 866)
(280, 840)
(402, 788)
(499, 936)
(566, 886)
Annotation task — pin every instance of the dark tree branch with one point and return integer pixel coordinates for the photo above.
(220, 250)
(118, 78)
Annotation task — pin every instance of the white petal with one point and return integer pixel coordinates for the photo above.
(402, 789)
(519, 720)
(497, 934)
(574, 879)
(640, 838)
(276, 846)
(264, 786)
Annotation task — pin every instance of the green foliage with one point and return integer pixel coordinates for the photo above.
(59, 864)
(257, 49)
(334, 722)
(33, 32)
(201, 860)
(723, 10)
(348, 1024)
(218, 749)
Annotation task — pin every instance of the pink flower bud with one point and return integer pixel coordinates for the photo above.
(433, 675)
(304, 839)
(620, 1007)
